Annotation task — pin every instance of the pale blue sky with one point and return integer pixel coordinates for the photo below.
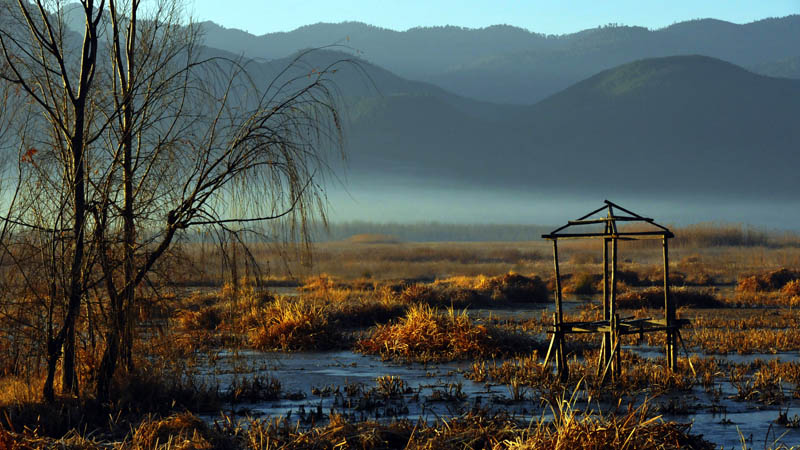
(550, 17)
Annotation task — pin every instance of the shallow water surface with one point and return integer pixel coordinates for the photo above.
(314, 384)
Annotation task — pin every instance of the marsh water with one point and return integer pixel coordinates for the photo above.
(316, 384)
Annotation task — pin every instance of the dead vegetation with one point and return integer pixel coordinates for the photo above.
(774, 280)
(427, 318)
(653, 297)
(427, 334)
(290, 326)
(571, 429)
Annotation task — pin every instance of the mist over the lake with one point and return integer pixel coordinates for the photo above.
(414, 201)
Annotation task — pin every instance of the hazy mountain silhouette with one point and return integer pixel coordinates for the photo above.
(673, 125)
(414, 53)
(510, 65)
(677, 124)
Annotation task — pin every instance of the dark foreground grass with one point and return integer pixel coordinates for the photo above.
(571, 429)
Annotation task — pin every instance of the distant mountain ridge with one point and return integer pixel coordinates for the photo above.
(677, 125)
(505, 64)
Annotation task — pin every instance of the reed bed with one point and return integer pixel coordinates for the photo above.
(653, 297)
(758, 340)
(736, 319)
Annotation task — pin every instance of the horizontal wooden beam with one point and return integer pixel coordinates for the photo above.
(626, 326)
(628, 234)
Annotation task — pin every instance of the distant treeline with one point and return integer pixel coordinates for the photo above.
(706, 234)
(698, 235)
(711, 234)
(432, 232)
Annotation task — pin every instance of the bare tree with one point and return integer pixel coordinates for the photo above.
(38, 58)
(150, 139)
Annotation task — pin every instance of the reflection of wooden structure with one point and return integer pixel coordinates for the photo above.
(611, 326)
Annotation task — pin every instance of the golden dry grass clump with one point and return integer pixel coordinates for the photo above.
(791, 288)
(583, 284)
(427, 334)
(518, 288)
(508, 288)
(291, 325)
(765, 282)
(441, 294)
(183, 431)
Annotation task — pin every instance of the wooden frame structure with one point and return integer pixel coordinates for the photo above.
(612, 326)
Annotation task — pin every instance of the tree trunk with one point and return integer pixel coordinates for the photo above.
(108, 365)
(53, 355)
(69, 382)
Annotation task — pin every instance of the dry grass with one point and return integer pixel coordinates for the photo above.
(378, 283)
(653, 297)
(583, 284)
(181, 431)
(571, 429)
(637, 429)
(482, 290)
(373, 238)
(758, 340)
(291, 325)
(427, 334)
(16, 391)
(773, 280)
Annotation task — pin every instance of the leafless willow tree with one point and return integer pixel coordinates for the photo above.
(140, 138)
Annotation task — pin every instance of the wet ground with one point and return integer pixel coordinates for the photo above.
(315, 384)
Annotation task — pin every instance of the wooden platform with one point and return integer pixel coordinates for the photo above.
(612, 327)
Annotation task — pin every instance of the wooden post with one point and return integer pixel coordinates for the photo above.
(669, 312)
(606, 345)
(612, 310)
(558, 319)
(559, 311)
(618, 345)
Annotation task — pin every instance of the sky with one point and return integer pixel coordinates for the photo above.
(549, 17)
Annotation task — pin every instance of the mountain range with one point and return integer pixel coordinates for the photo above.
(511, 65)
(698, 110)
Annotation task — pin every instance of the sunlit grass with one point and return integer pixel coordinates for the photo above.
(290, 325)
(426, 333)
